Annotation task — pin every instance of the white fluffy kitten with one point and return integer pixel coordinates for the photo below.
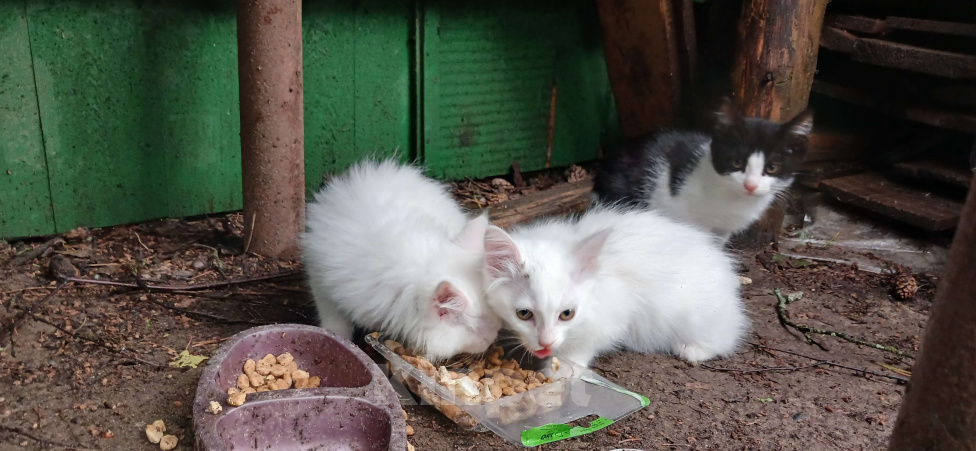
(615, 279)
(388, 249)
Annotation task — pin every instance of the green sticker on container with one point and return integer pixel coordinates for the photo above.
(555, 432)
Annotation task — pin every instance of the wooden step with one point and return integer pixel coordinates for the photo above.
(868, 25)
(560, 200)
(935, 171)
(879, 52)
(874, 193)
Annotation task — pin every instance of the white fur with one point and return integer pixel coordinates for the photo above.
(636, 280)
(389, 250)
(715, 202)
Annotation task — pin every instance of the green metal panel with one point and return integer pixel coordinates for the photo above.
(139, 105)
(357, 83)
(489, 70)
(25, 199)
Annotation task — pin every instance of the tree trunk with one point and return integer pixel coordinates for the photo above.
(939, 409)
(642, 42)
(269, 41)
(776, 57)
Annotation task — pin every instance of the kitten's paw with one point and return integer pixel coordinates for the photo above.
(694, 353)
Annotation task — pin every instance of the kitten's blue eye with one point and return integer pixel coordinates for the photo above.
(524, 314)
(738, 163)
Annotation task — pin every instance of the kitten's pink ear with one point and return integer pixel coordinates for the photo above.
(728, 121)
(449, 303)
(502, 257)
(588, 251)
(472, 236)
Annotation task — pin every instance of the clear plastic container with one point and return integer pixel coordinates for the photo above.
(531, 418)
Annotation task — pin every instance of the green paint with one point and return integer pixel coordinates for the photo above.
(139, 106)
(489, 69)
(25, 199)
(138, 99)
(555, 432)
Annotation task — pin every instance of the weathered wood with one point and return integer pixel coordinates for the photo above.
(874, 193)
(939, 408)
(836, 146)
(869, 25)
(776, 59)
(951, 120)
(561, 200)
(641, 50)
(855, 23)
(269, 36)
(931, 26)
(837, 40)
(812, 173)
(951, 65)
(935, 171)
(773, 71)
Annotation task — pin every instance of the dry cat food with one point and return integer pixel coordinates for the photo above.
(480, 382)
(270, 373)
(155, 432)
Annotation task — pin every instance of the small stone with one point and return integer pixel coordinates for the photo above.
(237, 399)
(168, 442)
(154, 431)
(745, 280)
(799, 416)
(199, 264)
(214, 407)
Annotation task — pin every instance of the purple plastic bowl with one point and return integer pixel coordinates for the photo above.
(355, 408)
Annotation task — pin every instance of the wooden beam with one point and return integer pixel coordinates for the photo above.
(773, 71)
(935, 171)
(874, 193)
(859, 24)
(641, 51)
(837, 40)
(931, 26)
(561, 200)
(825, 146)
(939, 408)
(951, 65)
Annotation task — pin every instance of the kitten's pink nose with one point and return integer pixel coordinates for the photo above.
(546, 344)
(750, 187)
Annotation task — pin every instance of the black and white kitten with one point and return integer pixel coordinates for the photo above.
(720, 183)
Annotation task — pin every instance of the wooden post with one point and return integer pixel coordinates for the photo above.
(939, 409)
(269, 42)
(642, 43)
(775, 60)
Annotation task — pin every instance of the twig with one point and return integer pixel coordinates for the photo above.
(20, 318)
(209, 316)
(43, 441)
(786, 369)
(141, 243)
(806, 330)
(31, 254)
(250, 233)
(829, 363)
(170, 288)
(92, 340)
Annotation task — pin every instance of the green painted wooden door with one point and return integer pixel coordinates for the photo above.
(116, 111)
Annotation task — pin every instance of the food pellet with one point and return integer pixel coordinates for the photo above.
(168, 442)
(270, 373)
(154, 431)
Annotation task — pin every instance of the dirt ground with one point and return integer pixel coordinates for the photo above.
(85, 366)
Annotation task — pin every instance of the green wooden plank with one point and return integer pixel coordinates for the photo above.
(25, 198)
(138, 101)
(193, 51)
(382, 71)
(495, 63)
(328, 48)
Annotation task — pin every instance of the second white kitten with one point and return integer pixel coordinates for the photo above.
(615, 279)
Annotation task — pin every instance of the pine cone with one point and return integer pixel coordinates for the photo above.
(905, 286)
